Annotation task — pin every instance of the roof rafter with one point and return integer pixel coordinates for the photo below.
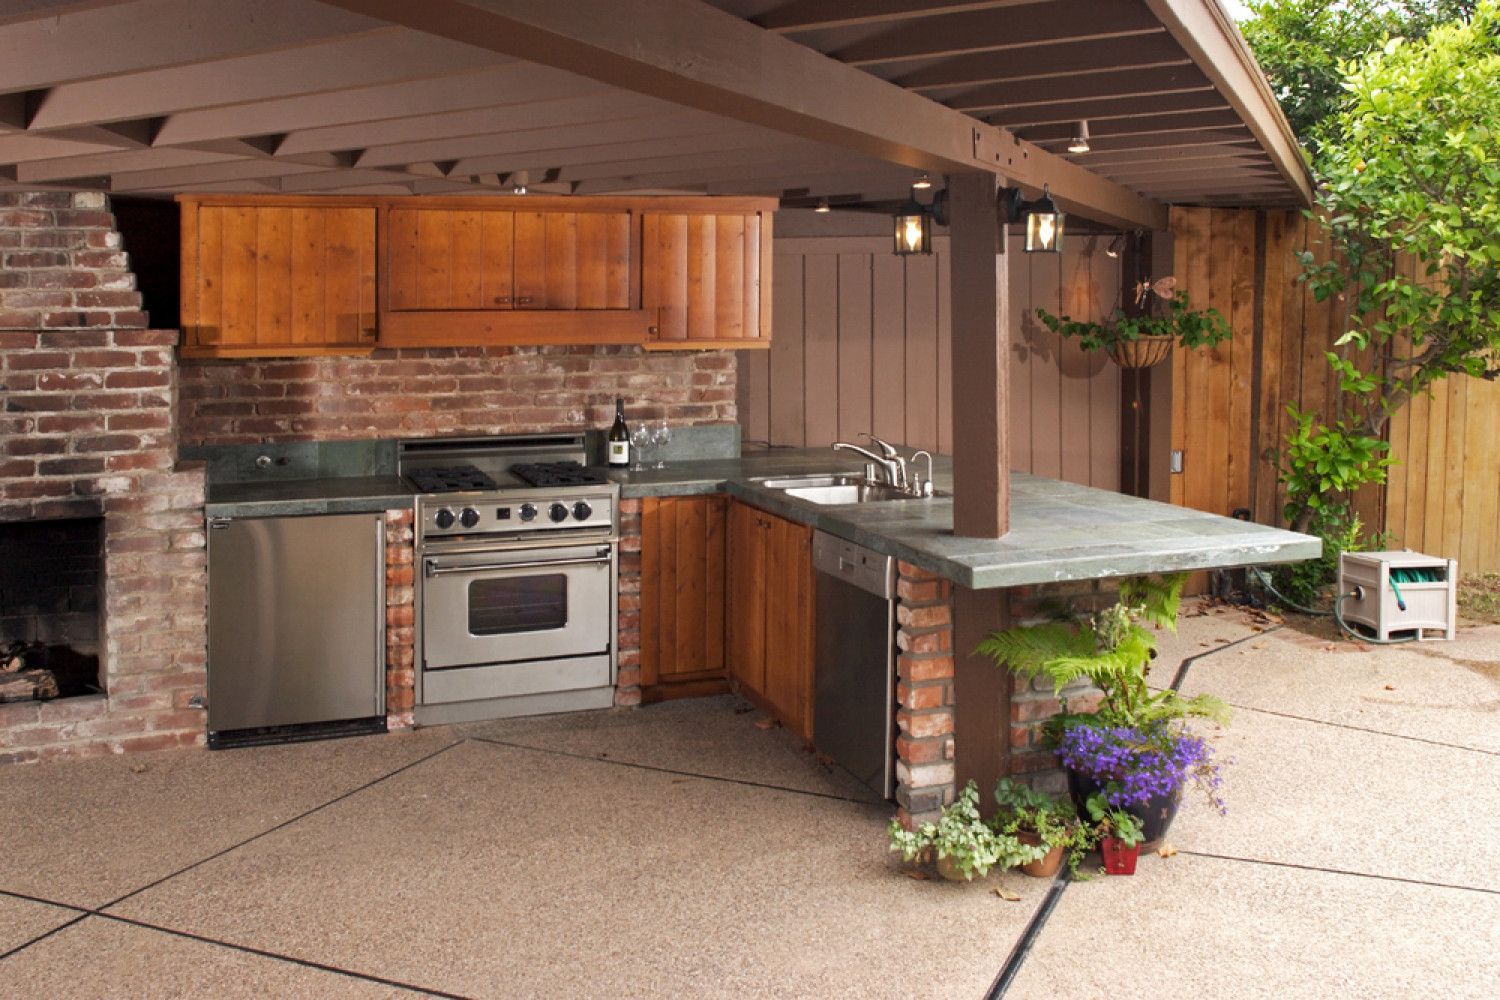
(698, 56)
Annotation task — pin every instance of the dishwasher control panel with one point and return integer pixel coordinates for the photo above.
(868, 570)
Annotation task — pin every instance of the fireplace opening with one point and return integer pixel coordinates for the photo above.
(51, 584)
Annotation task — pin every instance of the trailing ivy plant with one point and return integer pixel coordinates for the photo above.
(1409, 194)
(961, 834)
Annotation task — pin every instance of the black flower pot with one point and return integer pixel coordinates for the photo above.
(1156, 814)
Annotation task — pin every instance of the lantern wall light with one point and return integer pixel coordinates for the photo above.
(1044, 222)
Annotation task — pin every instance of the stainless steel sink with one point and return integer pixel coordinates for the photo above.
(848, 493)
(802, 482)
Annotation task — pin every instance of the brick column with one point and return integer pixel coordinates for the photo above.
(400, 621)
(628, 630)
(924, 693)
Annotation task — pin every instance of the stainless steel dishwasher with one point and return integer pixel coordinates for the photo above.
(296, 628)
(854, 711)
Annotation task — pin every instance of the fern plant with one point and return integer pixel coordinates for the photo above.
(1112, 651)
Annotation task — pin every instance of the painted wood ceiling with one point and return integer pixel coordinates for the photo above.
(299, 96)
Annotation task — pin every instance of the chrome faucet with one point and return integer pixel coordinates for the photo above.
(889, 461)
(922, 487)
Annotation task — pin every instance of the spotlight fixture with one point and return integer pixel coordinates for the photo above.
(1080, 141)
(1044, 222)
(518, 182)
(822, 208)
(1116, 246)
(922, 183)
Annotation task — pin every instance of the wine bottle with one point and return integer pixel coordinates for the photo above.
(619, 437)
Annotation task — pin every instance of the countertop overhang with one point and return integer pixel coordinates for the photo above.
(1059, 531)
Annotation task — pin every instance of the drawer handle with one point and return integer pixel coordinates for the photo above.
(524, 300)
(501, 300)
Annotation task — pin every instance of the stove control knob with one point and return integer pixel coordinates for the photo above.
(582, 510)
(443, 519)
(557, 512)
(469, 518)
(528, 512)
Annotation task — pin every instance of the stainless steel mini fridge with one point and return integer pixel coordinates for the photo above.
(296, 628)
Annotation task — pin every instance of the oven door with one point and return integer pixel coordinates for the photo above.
(516, 605)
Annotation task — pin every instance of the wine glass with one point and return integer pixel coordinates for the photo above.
(639, 439)
(661, 436)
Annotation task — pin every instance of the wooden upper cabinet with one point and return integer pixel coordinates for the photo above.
(706, 279)
(277, 279)
(485, 259)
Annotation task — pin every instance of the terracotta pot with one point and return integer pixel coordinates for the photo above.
(1119, 859)
(1048, 865)
(1143, 352)
(947, 867)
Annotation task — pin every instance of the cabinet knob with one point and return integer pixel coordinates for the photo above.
(653, 330)
(368, 333)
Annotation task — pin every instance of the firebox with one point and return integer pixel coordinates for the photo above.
(51, 576)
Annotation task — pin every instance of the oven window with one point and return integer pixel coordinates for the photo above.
(518, 604)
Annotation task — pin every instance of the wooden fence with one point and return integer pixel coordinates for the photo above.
(862, 343)
(1229, 404)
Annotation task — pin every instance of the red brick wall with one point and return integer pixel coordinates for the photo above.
(628, 632)
(400, 621)
(86, 431)
(924, 693)
(412, 393)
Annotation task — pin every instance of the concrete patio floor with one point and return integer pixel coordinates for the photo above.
(680, 850)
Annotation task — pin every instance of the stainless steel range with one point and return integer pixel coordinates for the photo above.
(515, 577)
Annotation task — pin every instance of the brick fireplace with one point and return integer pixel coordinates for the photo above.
(86, 432)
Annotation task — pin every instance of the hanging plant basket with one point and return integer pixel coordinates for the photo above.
(1143, 352)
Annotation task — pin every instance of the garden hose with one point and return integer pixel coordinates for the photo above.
(1338, 605)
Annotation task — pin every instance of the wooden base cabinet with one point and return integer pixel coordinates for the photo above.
(683, 556)
(771, 615)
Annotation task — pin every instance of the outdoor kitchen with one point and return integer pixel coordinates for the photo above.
(515, 499)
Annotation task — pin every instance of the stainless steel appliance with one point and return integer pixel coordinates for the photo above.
(516, 570)
(854, 710)
(296, 628)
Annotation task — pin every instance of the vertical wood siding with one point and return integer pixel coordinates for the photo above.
(1229, 405)
(862, 342)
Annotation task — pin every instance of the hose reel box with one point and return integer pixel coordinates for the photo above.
(1400, 592)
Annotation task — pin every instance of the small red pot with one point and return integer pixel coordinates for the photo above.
(1119, 859)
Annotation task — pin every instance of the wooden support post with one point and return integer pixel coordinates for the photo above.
(981, 468)
(981, 341)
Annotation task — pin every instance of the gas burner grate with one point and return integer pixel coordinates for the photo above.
(451, 479)
(556, 474)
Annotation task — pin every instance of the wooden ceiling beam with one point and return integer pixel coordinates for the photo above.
(980, 31)
(1062, 58)
(621, 158)
(75, 167)
(151, 34)
(1106, 107)
(592, 109)
(698, 56)
(1205, 31)
(1078, 87)
(1109, 128)
(663, 129)
(1214, 152)
(380, 57)
(236, 170)
(816, 15)
(508, 84)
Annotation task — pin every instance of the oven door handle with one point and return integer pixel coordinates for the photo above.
(431, 568)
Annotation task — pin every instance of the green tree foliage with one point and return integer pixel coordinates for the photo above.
(1300, 44)
(1411, 194)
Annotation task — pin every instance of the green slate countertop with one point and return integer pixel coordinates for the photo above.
(1059, 531)
(294, 497)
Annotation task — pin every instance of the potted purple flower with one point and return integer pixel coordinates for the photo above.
(1137, 748)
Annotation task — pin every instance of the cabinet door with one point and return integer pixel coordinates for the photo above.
(789, 624)
(747, 596)
(572, 260)
(706, 278)
(682, 589)
(278, 279)
(439, 259)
